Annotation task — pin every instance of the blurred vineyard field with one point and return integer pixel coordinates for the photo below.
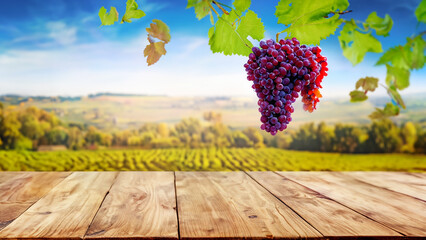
(225, 159)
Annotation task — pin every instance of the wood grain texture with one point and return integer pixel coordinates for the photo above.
(232, 205)
(5, 176)
(139, 205)
(405, 183)
(397, 211)
(327, 216)
(66, 211)
(23, 189)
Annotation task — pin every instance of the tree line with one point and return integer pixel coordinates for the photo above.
(31, 127)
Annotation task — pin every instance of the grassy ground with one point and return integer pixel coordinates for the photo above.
(207, 160)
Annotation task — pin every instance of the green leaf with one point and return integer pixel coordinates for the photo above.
(418, 45)
(132, 11)
(389, 110)
(398, 56)
(381, 25)
(108, 18)
(398, 77)
(358, 96)
(201, 7)
(251, 25)
(241, 5)
(356, 44)
(229, 38)
(313, 32)
(367, 83)
(393, 93)
(307, 20)
(160, 30)
(421, 11)
(154, 51)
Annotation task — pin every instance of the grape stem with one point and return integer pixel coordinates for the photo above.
(220, 7)
(339, 12)
(278, 34)
(224, 5)
(214, 10)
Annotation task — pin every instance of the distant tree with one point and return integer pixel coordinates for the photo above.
(420, 145)
(348, 138)
(324, 138)
(383, 137)
(409, 136)
(75, 138)
(240, 140)
(57, 136)
(163, 130)
(305, 138)
(254, 135)
(284, 140)
(9, 130)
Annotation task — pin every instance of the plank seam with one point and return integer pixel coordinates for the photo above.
(285, 204)
(342, 205)
(176, 202)
(100, 205)
(381, 187)
(9, 222)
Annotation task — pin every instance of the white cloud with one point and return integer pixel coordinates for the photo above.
(189, 68)
(61, 33)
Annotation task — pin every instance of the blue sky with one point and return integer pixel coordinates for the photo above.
(55, 47)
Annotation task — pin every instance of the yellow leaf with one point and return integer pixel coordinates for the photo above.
(154, 51)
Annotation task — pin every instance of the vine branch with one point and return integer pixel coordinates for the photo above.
(220, 7)
(214, 10)
(338, 12)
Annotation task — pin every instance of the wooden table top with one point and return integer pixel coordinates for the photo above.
(200, 205)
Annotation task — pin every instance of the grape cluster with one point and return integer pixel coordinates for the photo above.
(280, 72)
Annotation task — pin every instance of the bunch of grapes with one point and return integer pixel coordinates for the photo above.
(280, 73)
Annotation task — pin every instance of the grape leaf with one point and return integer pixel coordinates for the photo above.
(421, 11)
(108, 18)
(397, 76)
(132, 11)
(313, 32)
(398, 56)
(381, 25)
(367, 83)
(251, 25)
(356, 44)
(418, 52)
(307, 18)
(358, 96)
(154, 51)
(410, 56)
(201, 7)
(389, 110)
(393, 93)
(160, 30)
(229, 38)
(241, 5)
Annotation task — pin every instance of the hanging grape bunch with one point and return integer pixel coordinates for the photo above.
(280, 72)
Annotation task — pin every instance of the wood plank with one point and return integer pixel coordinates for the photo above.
(397, 211)
(66, 211)
(232, 205)
(139, 205)
(22, 190)
(327, 216)
(396, 181)
(5, 176)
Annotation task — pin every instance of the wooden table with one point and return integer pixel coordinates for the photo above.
(199, 205)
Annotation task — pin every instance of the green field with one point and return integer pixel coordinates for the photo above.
(226, 159)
